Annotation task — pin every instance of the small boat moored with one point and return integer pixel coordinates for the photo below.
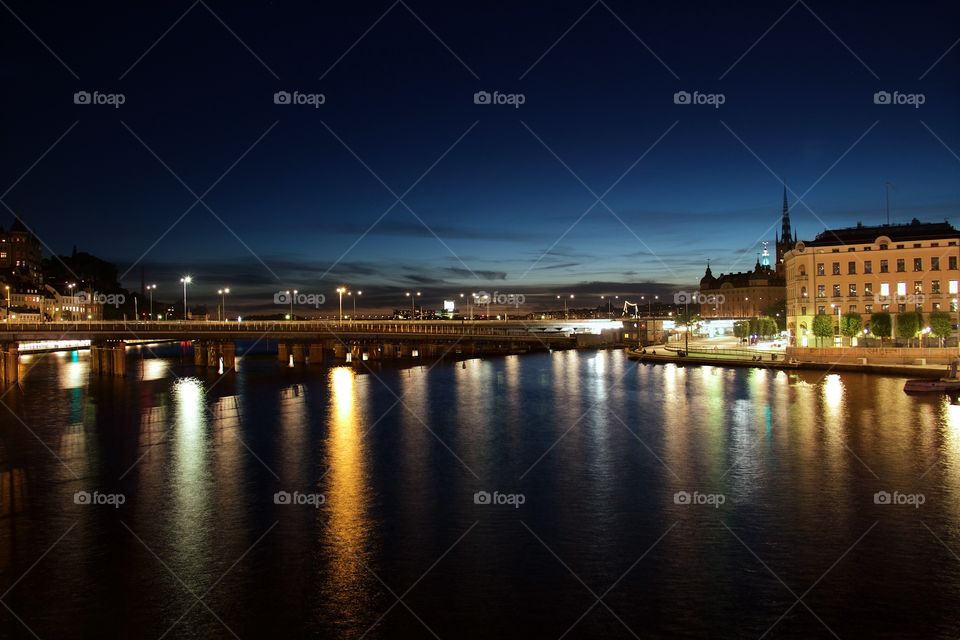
(943, 385)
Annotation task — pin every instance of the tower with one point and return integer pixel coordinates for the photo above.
(786, 239)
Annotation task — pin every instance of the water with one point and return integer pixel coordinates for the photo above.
(786, 467)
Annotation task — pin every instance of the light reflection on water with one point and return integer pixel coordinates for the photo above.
(599, 446)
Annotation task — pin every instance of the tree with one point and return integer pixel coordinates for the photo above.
(822, 327)
(881, 325)
(941, 324)
(768, 327)
(908, 324)
(851, 324)
(778, 311)
(741, 328)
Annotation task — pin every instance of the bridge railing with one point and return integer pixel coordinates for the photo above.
(260, 327)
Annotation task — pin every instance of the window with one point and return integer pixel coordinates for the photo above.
(803, 269)
(934, 264)
(821, 291)
(821, 310)
(936, 306)
(853, 308)
(918, 264)
(952, 287)
(901, 288)
(899, 246)
(852, 290)
(868, 308)
(952, 263)
(901, 308)
(868, 288)
(935, 287)
(883, 247)
(868, 266)
(803, 292)
(836, 268)
(884, 307)
(851, 268)
(820, 271)
(901, 265)
(884, 267)
(836, 291)
(803, 311)
(953, 306)
(884, 289)
(918, 307)
(918, 286)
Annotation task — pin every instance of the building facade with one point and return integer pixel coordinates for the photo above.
(868, 269)
(20, 255)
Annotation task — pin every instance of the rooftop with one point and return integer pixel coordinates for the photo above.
(861, 234)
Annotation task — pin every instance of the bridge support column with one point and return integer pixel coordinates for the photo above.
(339, 351)
(405, 350)
(283, 352)
(199, 353)
(118, 364)
(213, 355)
(299, 354)
(315, 353)
(228, 351)
(389, 351)
(11, 362)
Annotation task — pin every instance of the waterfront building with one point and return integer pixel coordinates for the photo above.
(867, 269)
(20, 255)
(749, 294)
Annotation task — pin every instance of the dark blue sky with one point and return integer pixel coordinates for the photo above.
(497, 208)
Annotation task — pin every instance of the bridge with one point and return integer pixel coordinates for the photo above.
(301, 342)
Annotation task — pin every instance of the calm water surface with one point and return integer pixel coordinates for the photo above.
(781, 535)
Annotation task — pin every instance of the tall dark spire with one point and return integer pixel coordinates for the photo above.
(786, 234)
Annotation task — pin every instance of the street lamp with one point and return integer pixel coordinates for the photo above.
(8, 300)
(341, 291)
(150, 289)
(185, 280)
(413, 310)
(292, 297)
(223, 311)
(354, 295)
(566, 316)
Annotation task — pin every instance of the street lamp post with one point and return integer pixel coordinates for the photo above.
(292, 298)
(223, 302)
(340, 292)
(150, 289)
(413, 309)
(355, 296)
(185, 280)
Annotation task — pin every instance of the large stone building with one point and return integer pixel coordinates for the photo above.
(866, 269)
(20, 255)
(749, 294)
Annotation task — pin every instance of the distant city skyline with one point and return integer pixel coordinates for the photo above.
(602, 181)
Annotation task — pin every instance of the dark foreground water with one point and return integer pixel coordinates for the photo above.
(648, 501)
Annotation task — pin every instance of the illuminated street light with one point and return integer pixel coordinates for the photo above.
(341, 291)
(185, 280)
(150, 288)
(413, 309)
(223, 311)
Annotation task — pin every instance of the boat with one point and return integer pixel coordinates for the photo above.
(943, 385)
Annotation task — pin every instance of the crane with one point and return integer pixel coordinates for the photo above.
(627, 305)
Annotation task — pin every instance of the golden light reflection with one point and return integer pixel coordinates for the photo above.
(154, 369)
(348, 495)
(191, 497)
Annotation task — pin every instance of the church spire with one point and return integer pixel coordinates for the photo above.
(786, 234)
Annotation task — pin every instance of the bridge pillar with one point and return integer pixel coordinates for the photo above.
(11, 362)
(228, 350)
(339, 351)
(299, 354)
(374, 352)
(405, 350)
(94, 358)
(199, 353)
(315, 353)
(213, 355)
(118, 360)
(283, 352)
(389, 351)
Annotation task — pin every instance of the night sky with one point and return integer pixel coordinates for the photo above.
(493, 197)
